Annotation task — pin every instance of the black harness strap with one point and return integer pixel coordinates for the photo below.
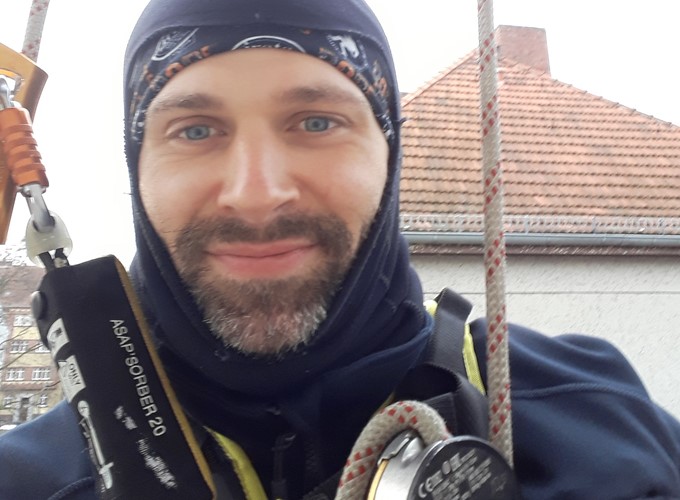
(140, 442)
(441, 379)
(445, 349)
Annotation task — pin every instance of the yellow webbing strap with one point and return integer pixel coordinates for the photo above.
(250, 482)
(469, 354)
(181, 417)
(470, 360)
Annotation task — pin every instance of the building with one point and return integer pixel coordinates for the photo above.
(592, 205)
(28, 380)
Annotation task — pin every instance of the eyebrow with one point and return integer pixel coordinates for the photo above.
(314, 94)
(196, 101)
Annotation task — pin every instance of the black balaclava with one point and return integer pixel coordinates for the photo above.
(376, 327)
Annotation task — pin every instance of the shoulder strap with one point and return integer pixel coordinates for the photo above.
(441, 379)
(445, 349)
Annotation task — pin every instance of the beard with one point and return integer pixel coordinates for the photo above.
(266, 317)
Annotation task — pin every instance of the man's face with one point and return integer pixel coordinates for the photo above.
(262, 170)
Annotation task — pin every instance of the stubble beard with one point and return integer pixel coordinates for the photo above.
(264, 317)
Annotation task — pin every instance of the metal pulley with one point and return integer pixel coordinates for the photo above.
(458, 467)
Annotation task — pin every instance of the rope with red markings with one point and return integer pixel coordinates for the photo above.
(418, 416)
(381, 429)
(34, 29)
(498, 365)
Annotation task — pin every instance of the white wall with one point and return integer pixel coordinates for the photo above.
(634, 302)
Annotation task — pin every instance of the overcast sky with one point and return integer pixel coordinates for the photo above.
(623, 50)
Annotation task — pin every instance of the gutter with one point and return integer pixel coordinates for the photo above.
(545, 239)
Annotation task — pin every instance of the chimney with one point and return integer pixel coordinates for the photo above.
(525, 45)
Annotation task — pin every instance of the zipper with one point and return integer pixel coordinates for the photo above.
(279, 483)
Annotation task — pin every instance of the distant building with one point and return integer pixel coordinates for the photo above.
(592, 205)
(29, 383)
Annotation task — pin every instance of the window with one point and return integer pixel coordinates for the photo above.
(15, 374)
(18, 346)
(7, 401)
(41, 374)
(40, 347)
(42, 400)
(23, 320)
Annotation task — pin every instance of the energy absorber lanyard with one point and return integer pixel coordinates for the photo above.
(140, 442)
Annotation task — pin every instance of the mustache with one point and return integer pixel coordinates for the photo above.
(327, 231)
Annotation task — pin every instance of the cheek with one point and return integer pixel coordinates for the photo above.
(374, 176)
(165, 197)
(151, 189)
(355, 188)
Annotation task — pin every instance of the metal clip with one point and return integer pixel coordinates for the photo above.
(40, 244)
(5, 94)
(40, 216)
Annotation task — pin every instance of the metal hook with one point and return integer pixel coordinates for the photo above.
(40, 215)
(5, 94)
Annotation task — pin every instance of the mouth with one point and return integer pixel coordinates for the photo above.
(270, 260)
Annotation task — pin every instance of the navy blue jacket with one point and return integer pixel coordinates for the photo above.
(584, 428)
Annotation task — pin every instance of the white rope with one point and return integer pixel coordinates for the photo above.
(382, 428)
(34, 29)
(498, 369)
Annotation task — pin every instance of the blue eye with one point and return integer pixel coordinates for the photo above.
(197, 132)
(317, 124)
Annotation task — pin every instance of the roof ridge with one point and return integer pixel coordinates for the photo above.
(547, 75)
(438, 77)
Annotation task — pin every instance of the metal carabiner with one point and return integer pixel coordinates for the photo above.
(33, 191)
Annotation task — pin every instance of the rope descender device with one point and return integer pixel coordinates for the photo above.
(21, 170)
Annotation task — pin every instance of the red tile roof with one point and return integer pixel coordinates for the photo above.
(565, 153)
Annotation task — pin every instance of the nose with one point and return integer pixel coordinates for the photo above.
(258, 181)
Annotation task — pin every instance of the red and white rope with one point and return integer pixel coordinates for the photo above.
(381, 429)
(34, 29)
(498, 366)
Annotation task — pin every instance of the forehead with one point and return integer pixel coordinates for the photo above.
(281, 76)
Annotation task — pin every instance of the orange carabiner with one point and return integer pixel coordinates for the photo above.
(20, 148)
(29, 81)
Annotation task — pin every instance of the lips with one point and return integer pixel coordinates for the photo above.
(278, 259)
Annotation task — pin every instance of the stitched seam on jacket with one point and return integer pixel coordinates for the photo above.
(74, 487)
(578, 387)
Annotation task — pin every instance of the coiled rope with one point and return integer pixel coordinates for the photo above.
(381, 429)
(34, 29)
(498, 365)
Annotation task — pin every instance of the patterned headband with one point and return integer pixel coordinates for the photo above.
(175, 50)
